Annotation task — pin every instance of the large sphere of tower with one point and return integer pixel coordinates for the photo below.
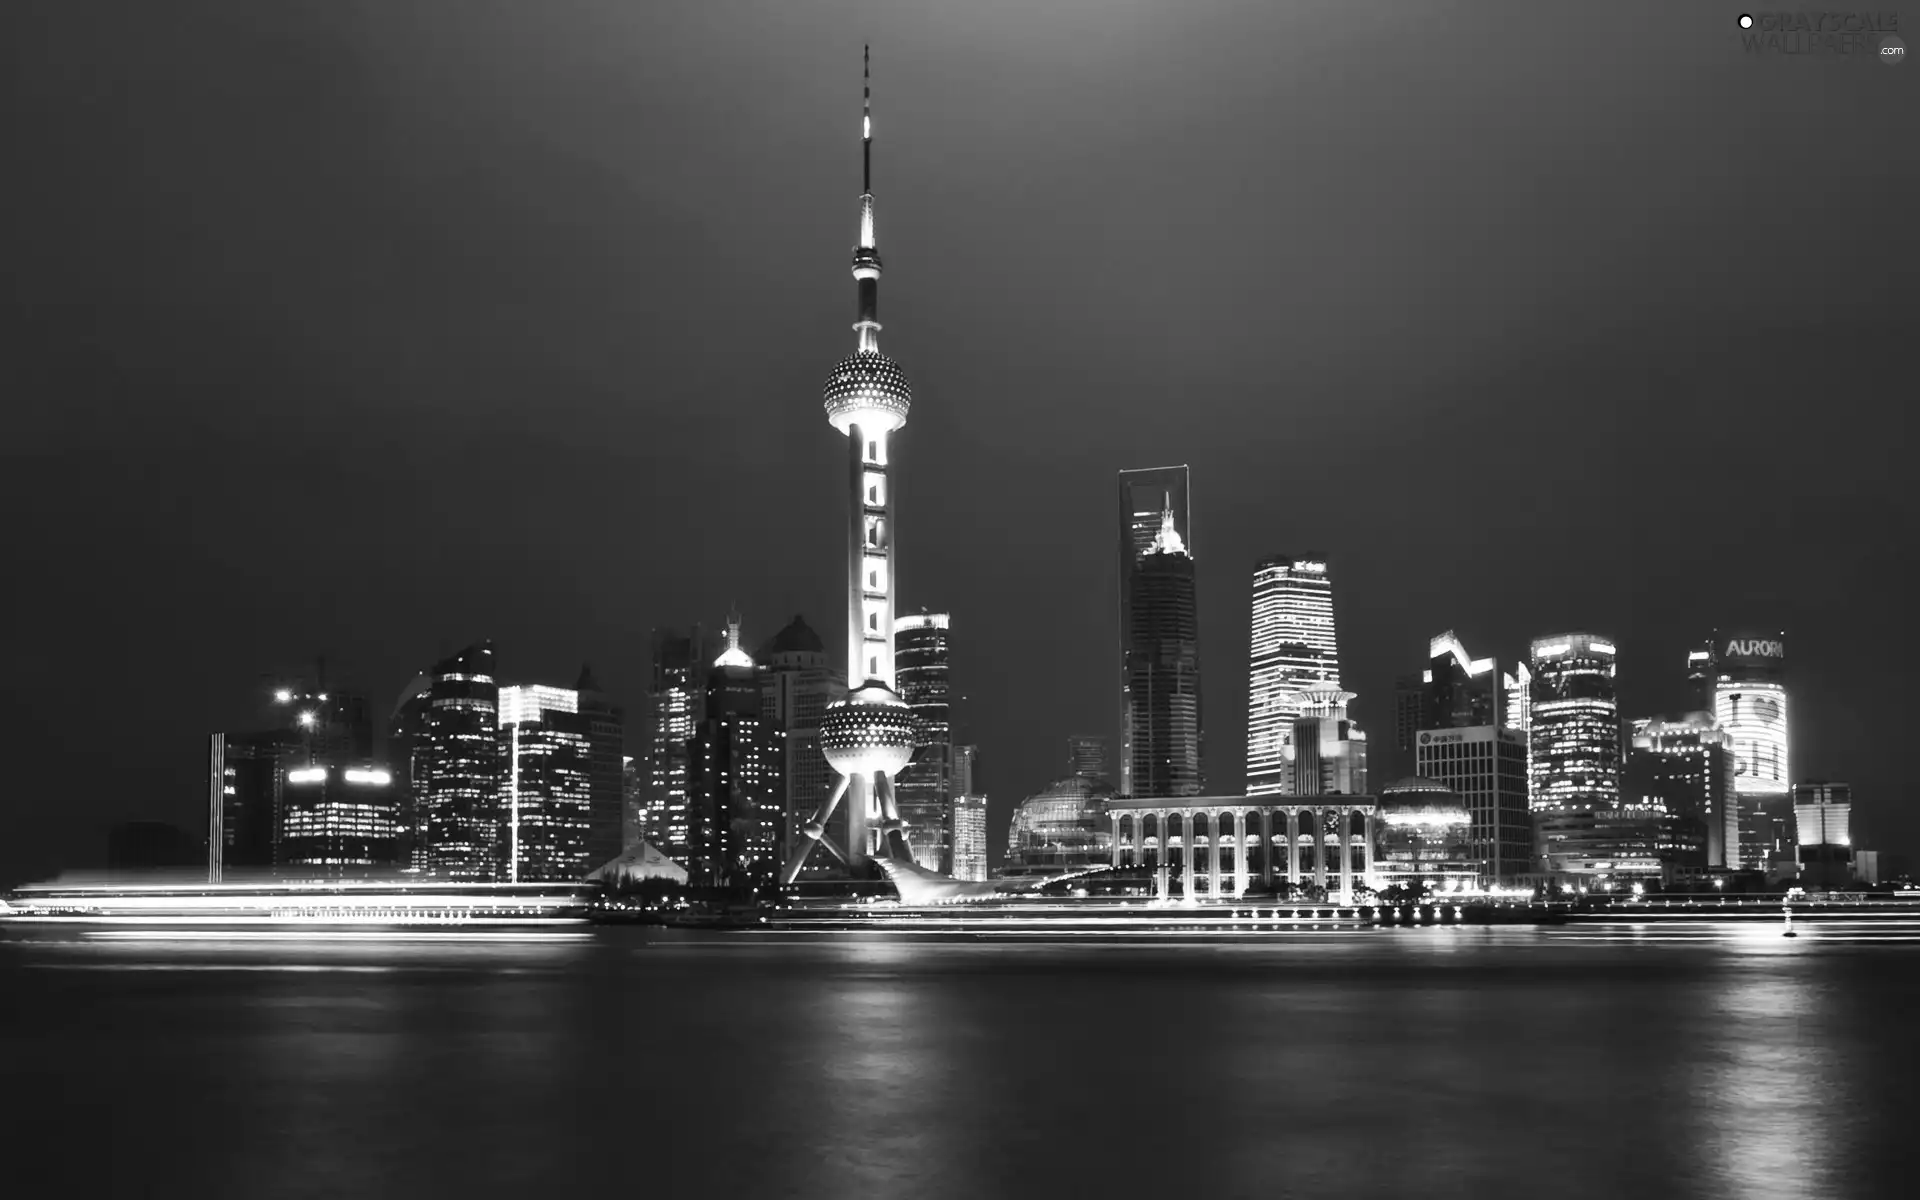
(869, 390)
(872, 730)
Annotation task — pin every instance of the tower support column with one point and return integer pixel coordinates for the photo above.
(1293, 846)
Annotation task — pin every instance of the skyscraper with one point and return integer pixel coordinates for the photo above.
(798, 682)
(1294, 648)
(446, 750)
(1576, 723)
(869, 735)
(1685, 766)
(969, 837)
(1486, 766)
(737, 810)
(921, 654)
(675, 705)
(1329, 752)
(1470, 732)
(1163, 663)
(546, 797)
(1087, 756)
(607, 745)
(1750, 702)
(1145, 496)
(1740, 678)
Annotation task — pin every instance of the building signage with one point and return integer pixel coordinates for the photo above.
(1756, 648)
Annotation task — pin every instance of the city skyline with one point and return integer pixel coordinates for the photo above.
(613, 441)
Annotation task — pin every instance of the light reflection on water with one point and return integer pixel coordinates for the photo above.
(1480, 1062)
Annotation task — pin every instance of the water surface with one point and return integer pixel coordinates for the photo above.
(1393, 1063)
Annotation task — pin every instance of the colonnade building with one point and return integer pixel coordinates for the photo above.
(1221, 843)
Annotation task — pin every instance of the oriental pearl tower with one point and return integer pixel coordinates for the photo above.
(869, 736)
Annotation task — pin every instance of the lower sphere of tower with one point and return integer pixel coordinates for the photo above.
(870, 390)
(871, 731)
(813, 829)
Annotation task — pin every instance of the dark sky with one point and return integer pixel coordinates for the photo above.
(374, 329)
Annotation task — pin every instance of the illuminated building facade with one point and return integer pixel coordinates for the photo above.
(868, 736)
(798, 683)
(1685, 765)
(1326, 752)
(1485, 768)
(1615, 843)
(1217, 845)
(256, 823)
(547, 777)
(445, 746)
(1087, 756)
(1823, 832)
(1163, 662)
(925, 787)
(337, 822)
(606, 747)
(1425, 837)
(1294, 648)
(1146, 495)
(676, 701)
(1575, 731)
(969, 837)
(738, 814)
(1062, 827)
(1750, 702)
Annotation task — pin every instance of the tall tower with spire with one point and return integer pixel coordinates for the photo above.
(1163, 667)
(869, 736)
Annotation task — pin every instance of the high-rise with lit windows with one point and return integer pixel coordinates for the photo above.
(737, 809)
(922, 661)
(970, 837)
(1748, 669)
(1750, 702)
(547, 777)
(444, 744)
(1684, 765)
(798, 683)
(1576, 730)
(1484, 765)
(1146, 495)
(1164, 669)
(1294, 649)
(676, 703)
(1468, 721)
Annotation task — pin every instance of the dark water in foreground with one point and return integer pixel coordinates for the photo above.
(1443, 1062)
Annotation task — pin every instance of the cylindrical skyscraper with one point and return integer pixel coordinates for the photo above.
(869, 736)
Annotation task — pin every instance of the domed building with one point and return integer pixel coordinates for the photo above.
(1063, 827)
(1422, 836)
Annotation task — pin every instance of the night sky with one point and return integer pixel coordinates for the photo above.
(375, 329)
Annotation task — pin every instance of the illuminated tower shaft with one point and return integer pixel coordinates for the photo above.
(869, 736)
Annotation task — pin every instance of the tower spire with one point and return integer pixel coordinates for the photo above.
(866, 255)
(866, 120)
